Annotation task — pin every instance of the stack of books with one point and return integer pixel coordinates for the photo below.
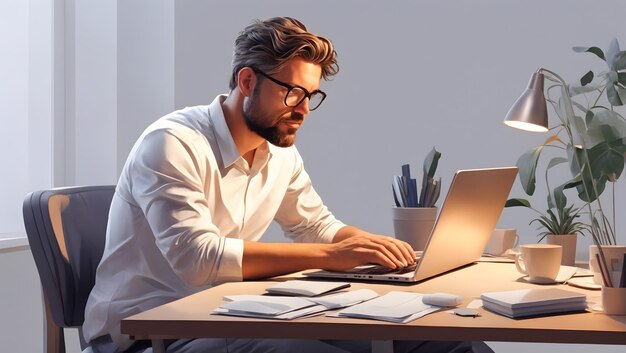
(534, 302)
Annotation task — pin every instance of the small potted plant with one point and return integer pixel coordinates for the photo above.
(558, 225)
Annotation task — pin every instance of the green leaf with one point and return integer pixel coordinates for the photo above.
(556, 161)
(559, 197)
(553, 162)
(431, 162)
(517, 202)
(621, 92)
(595, 50)
(527, 165)
(586, 190)
(620, 61)
(606, 125)
(578, 128)
(589, 117)
(612, 95)
(576, 89)
(621, 78)
(607, 158)
(587, 78)
(574, 159)
(612, 53)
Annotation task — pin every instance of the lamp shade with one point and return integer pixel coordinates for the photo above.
(529, 112)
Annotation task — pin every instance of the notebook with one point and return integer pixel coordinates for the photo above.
(533, 302)
(468, 216)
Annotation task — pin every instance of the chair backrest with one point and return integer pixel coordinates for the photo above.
(66, 229)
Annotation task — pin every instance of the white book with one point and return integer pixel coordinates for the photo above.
(306, 288)
(524, 298)
(532, 302)
(296, 314)
(536, 310)
(265, 305)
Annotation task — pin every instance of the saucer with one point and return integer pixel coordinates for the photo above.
(539, 281)
(584, 282)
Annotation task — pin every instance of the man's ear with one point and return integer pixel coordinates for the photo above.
(246, 79)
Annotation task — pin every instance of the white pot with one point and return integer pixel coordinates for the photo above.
(568, 242)
(414, 225)
(614, 256)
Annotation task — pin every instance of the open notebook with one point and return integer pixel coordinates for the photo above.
(468, 216)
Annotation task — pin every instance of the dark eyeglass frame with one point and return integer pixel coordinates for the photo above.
(289, 88)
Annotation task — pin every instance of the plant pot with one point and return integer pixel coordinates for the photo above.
(614, 256)
(568, 242)
(414, 225)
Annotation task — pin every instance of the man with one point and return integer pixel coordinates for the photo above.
(202, 184)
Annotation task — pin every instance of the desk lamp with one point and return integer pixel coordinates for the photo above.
(530, 113)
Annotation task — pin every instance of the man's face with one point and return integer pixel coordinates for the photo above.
(265, 112)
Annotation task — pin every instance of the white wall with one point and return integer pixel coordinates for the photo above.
(145, 68)
(91, 92)
(413, 75)
(14, 38)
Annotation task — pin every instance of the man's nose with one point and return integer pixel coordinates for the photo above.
(303, 108)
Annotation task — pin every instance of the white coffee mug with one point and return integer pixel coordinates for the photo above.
(541, 262)
(502, 240)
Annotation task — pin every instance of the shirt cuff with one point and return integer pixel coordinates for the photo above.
(329, 234)
(231, 262)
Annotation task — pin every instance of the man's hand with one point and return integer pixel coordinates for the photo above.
(353, 246)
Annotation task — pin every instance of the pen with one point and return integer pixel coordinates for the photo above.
(604, 272)
(622, 282)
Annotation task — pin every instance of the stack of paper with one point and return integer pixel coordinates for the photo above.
(401, 307)
(306, 288)
(288, 308)
(532, 302)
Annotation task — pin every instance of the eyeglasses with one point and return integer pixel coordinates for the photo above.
(296, 94)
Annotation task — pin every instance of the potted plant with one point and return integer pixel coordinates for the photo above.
(414, 215)
(591, 136)
(559, 224)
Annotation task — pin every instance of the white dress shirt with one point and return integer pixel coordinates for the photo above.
(185, 202)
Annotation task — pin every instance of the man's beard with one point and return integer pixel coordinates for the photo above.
(264, 127)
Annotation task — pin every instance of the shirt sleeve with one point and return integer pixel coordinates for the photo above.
(302, 215)
(168, 179)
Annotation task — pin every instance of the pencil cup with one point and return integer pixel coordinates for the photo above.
(502, 240)
(414, 225)
(614, 256)
(614, 300)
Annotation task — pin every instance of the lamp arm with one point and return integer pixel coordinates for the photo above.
(541, 70)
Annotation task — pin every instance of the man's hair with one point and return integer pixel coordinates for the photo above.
(267, 46)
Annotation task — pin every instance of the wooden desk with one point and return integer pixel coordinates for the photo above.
(189, 317)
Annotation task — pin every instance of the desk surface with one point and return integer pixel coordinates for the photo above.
(190, 317)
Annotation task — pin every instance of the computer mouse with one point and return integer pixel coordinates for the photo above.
(442, 299)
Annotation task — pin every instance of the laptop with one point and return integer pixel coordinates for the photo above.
(468, 216)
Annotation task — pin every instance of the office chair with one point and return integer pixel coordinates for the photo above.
(66, 229)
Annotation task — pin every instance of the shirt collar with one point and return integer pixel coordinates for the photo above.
(228, 150)
(225, 143)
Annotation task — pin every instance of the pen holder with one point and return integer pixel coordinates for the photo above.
(614, 300)
(414, 225)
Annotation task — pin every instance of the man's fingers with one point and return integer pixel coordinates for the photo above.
(407, 251)
(401, 250)
(391, 250)
(380, 258)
